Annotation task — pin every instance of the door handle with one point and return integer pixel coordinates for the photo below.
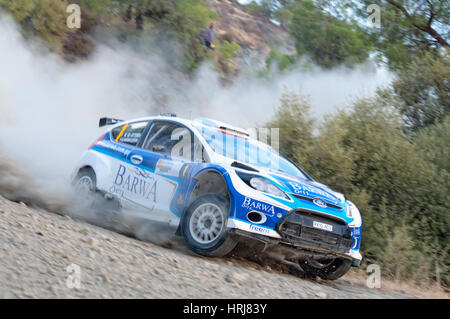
(136, 159)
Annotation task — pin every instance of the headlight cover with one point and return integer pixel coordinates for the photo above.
(264, 185)
(353, 212)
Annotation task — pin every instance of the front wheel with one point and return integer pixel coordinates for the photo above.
(330, 269)
(204, 226)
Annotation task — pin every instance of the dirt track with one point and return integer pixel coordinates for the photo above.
(36, 247)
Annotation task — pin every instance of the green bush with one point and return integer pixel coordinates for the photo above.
(281, 61)
(262, 8)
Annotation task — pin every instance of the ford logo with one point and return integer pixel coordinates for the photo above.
(319, 202)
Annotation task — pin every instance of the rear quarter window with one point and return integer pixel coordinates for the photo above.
(129, 134)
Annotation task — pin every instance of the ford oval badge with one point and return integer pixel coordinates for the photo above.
(319, 202)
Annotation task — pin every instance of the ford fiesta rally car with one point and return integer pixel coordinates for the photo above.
(216, 185)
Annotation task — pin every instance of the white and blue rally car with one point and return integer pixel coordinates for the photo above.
(216, 185)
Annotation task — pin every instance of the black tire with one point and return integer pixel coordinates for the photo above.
(221, 242)
(333, 270)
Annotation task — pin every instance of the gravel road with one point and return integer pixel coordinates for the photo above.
(37, 247)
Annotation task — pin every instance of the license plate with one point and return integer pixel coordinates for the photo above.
(322, 226)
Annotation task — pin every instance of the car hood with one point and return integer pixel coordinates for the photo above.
(302, 188)
(308, 189)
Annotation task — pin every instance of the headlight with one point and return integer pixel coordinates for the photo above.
(353, 212)
(266, 186)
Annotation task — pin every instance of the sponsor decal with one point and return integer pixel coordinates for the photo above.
(322, 226)
(115, 147)
(258, 229)
(310, 191)
(135, 183)
(131, 137)
(252, 204)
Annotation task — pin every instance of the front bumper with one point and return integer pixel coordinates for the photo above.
(299, 228)
(296, 236)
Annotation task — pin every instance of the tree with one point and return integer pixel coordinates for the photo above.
(423, 15)
(283, 16)
(408, 28)
(327, 40)
(432, 228)
(423, 86)
(295, 124)
(263, 8)
(328, 159)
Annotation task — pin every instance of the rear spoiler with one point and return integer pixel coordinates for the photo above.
(108, 121)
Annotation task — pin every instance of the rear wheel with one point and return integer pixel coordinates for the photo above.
(91, 204)
(204, 226)
(328, 269)
(85, 184)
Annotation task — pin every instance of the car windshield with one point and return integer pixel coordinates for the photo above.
(247, 150)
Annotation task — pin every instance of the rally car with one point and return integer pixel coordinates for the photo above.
(217, 185)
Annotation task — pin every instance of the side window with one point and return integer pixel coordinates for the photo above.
(170, 139)
(129, 133)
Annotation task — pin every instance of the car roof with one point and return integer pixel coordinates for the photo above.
(189, 123)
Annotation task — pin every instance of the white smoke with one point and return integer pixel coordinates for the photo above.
(251, 101)
(50, 109)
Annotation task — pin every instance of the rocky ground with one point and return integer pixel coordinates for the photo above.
(37, 249)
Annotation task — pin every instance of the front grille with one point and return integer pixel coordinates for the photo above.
(297, 229)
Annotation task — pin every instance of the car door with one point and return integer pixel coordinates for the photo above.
(166, 149)
(125, 181)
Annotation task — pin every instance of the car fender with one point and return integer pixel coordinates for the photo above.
(238, 191)
(197, 170)
(100, 163)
